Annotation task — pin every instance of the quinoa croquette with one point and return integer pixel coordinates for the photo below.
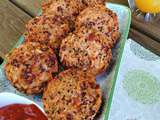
(86, 49)
(30, 66)
(72, 95)
(62, 7)
(67, 9)
(102, 19)
(46, 29)
(93, 2)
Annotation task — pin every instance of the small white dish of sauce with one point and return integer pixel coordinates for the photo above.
(15, 107)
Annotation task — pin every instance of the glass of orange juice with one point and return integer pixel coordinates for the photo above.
(148, 6)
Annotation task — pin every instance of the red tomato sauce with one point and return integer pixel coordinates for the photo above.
(21, 112)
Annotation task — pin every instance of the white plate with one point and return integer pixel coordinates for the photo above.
(10, 98)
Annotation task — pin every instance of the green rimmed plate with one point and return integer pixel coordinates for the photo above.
(106, 80)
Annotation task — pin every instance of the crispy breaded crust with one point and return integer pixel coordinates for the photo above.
(102, 19)
(67, 9)
(94, 2)
(30, 66)
(72, 95)
(47, 29)
(87, 49)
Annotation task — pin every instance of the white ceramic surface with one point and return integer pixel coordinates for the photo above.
(7, 98)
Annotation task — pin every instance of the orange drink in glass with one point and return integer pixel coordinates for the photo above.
(148, 6)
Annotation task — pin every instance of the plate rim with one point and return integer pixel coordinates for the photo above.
(119, 58)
